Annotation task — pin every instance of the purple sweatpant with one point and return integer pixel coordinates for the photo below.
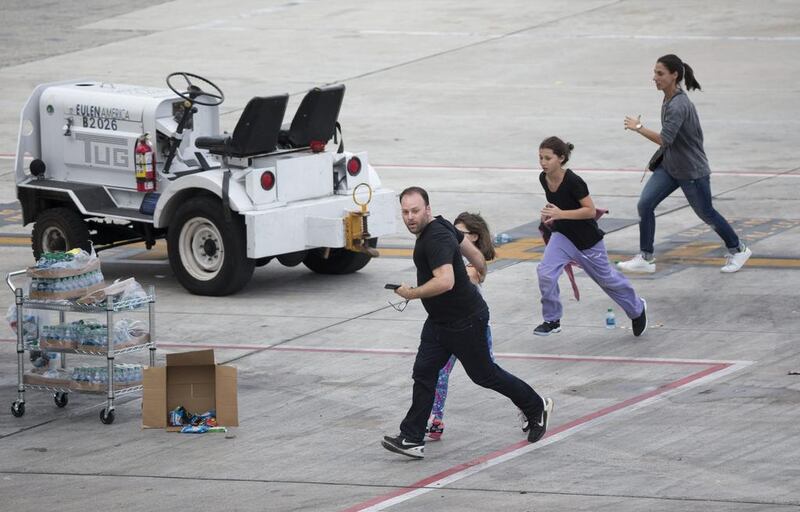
(594, 261)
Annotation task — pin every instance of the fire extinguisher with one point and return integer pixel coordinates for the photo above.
(145, 164)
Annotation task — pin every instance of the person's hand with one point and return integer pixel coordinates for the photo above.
(473, 275)
(633, 123)
(547, 221)
(551, 212)
(405, 291)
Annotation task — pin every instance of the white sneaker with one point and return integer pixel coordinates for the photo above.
(638, 264)
(734, 262)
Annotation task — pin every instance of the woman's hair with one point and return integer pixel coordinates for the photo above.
(477, 226)
(675, 65)
(559, 147)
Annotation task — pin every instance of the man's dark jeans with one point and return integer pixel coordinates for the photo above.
(466, 339)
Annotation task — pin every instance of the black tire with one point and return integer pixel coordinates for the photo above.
(260, 262)
(18, 409)
(61, 399)
(207, 252)
(339, 261)
(59, 229)
(107, 418)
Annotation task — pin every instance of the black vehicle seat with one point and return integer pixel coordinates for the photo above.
(315, 119)
(256, 131)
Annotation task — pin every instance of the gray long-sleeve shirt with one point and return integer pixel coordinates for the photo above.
(682, 139)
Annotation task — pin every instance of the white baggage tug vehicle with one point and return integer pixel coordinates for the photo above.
(116, 164)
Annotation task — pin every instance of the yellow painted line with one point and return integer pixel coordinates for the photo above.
(755, 262)
(692, 249)
(689, 255)
(395, 253)
(517, 250)
(520, 250)
(12, 240)
(158, 252)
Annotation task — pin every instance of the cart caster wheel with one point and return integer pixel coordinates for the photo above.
(18, 409)
(107, 418)
(61, 399)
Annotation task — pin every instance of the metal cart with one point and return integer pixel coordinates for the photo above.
(109, 307)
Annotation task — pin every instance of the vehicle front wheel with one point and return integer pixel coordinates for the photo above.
(207, 252)
(59, 229)
(339, 261)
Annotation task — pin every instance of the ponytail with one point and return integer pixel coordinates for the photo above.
(689, 79)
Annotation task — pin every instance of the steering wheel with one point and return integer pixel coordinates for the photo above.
(193, 91)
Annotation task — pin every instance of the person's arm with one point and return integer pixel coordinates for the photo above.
(586, 211)
(442, 281)
(631, 123)
(475, 258)
(675, 111)
(473, 275)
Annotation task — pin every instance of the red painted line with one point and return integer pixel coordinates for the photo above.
(590, 359)
(586, 169)
(561, 428)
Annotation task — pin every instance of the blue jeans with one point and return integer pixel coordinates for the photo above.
(466, 339)
(697, 192)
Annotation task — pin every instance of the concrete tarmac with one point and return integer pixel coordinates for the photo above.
(699, 414)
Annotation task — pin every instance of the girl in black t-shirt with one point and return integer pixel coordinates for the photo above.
(570, 214)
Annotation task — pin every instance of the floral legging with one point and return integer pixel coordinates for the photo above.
(444, 378)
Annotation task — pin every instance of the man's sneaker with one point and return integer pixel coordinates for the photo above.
(640, 322)
(638, 264)
(548, 328)
(734, 262)
(539, 427)
(403, 446)
(435, 430)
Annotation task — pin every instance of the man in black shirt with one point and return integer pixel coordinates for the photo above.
(457, 321)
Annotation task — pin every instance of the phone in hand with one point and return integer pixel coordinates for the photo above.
(390, 286)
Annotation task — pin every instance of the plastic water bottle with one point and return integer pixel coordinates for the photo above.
(611, 321)
(502, 238)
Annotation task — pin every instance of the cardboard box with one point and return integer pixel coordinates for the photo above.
(193, 380)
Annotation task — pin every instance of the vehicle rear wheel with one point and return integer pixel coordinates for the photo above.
(207, 252)
(339, 261)
(59, 229)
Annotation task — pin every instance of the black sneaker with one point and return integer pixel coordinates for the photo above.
(548, 328)
(403, 446)
(640, 322)
(538, 428)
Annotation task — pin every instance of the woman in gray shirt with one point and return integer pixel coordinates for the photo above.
(680, 162)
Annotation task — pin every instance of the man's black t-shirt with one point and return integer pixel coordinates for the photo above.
(582, 233)
(438, 245)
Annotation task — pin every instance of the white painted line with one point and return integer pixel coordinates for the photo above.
(657, 37)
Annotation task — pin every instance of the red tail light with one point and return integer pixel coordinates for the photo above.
(354, 166)
(317, 146)
(267, 180)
